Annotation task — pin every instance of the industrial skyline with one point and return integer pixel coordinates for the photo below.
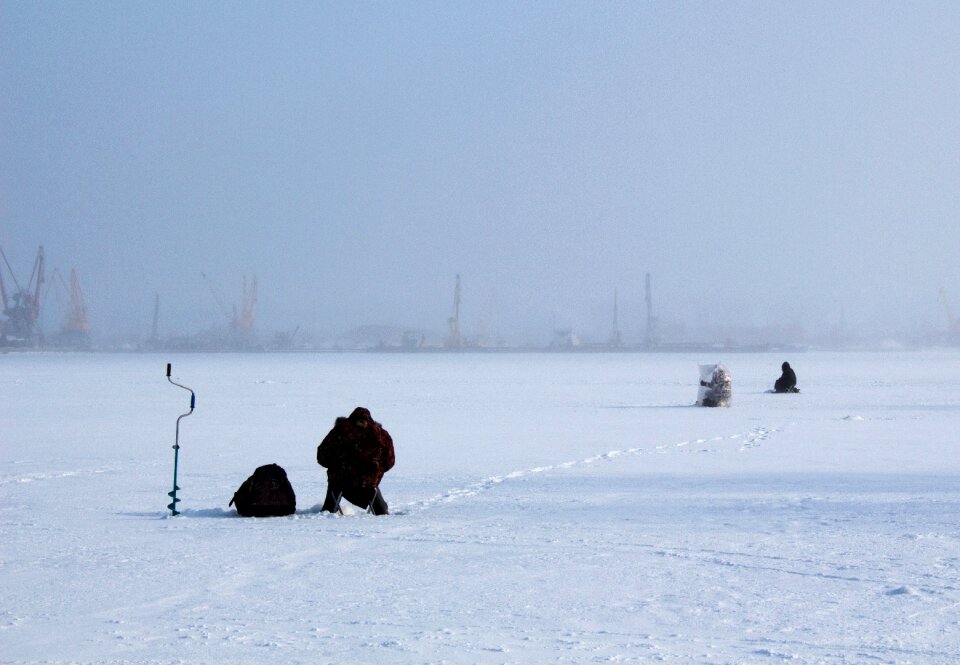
(47, 313)
(775, 166)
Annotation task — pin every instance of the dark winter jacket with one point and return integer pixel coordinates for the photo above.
(356, 452)
(787, 381)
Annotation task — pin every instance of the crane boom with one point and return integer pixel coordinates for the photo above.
(240, 318)
(951, 321)
(248, 305)
(456, 339)
(22, 309)
(77, 321)
(37, 275)
(216, 298)
(3, 289)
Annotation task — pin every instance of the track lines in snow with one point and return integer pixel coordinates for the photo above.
(54, 475)
(750, 439)
(755, 437)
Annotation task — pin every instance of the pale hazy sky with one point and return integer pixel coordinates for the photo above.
(766, 161)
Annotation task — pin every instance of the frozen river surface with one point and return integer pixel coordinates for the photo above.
(546, 509)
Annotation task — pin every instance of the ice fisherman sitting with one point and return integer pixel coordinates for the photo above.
(787, 383)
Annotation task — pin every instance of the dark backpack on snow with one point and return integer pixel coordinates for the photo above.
(267, 493)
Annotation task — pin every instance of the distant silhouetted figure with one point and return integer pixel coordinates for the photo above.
(356, 453)
(787, 383)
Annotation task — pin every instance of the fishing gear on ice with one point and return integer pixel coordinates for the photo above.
(716, 386)
(176, 446)
(267, 493)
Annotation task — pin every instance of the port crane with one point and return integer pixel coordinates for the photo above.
(75, 323)
(616, 338)
(455, 341)
(650, 340)
(22, 307)
(241, 319)
(952, 322)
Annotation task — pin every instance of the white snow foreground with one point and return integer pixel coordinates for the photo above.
(546, 508)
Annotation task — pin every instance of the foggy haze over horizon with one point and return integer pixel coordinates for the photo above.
(778, 166)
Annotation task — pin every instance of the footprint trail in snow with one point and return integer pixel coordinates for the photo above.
(750, 439)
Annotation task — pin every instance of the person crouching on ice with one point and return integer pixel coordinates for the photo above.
(787, 383)
(356, 453)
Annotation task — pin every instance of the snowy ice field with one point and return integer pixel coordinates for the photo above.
(546, 508)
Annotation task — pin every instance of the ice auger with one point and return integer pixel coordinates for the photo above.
(176, 446)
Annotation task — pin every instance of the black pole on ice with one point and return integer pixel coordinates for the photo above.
(176, 446)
